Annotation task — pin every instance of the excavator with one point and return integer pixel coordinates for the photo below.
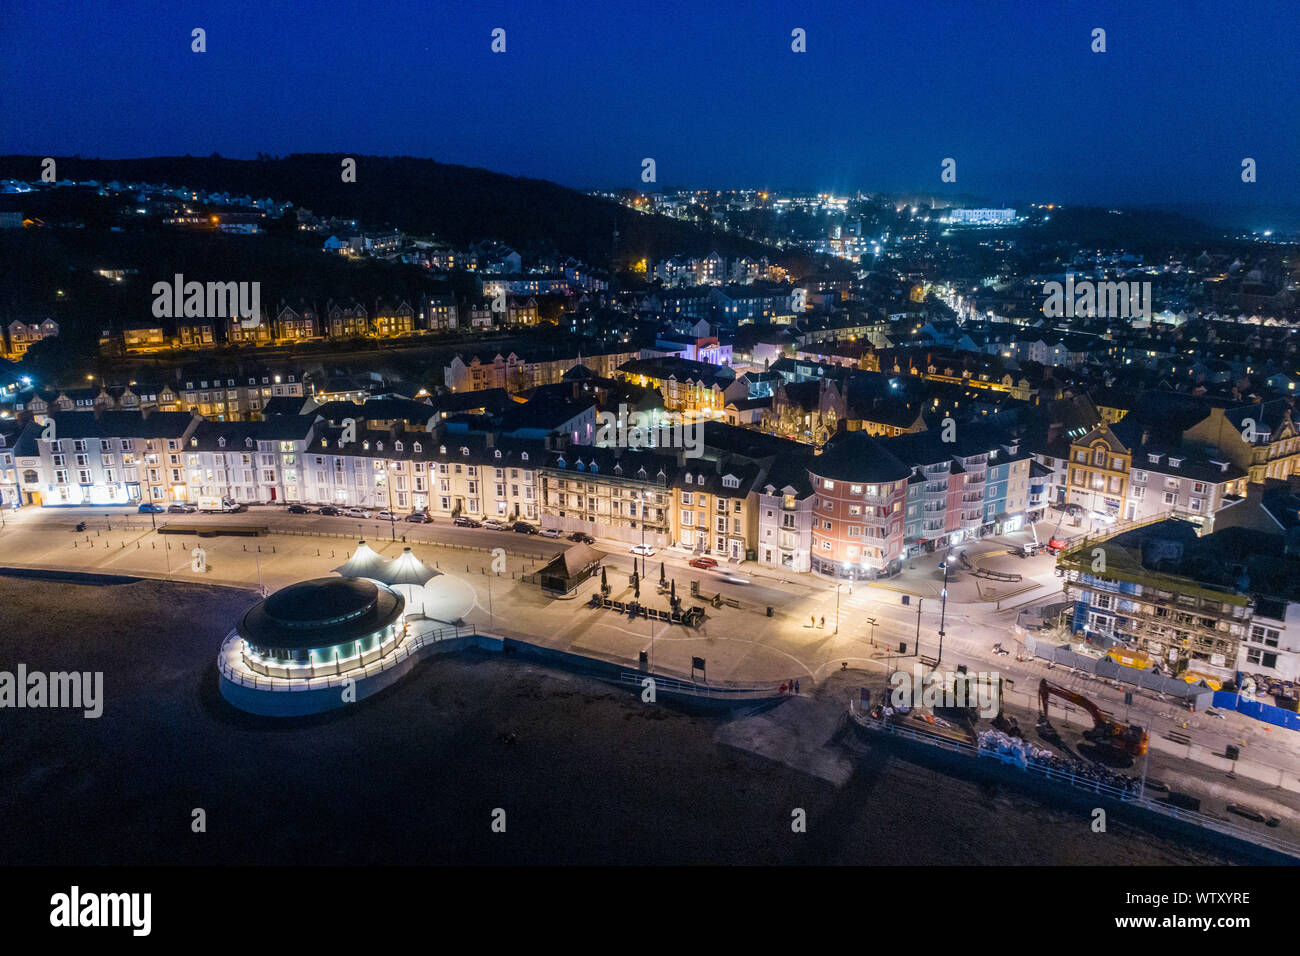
(1125, 738)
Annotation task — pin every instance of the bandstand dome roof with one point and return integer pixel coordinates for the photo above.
(320, 613)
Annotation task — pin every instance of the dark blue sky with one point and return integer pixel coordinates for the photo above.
(711, 90)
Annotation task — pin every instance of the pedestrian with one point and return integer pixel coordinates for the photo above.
(783, 688)
(812, 621)
(823, 623)
(796, 685)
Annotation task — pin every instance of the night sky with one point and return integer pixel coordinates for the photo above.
(711, 90)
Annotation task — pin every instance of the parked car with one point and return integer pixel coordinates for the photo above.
(463, 522)
(583, 537)
(299, 510)
(356, 513)
(523, 527)
(550, 532)
(386, 515)
(704, 563)
(418, 517)
(181, 508)
(642, 549)
(331, 511)
(492, 524)
(151, 509)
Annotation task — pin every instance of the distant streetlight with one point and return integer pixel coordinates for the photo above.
(943, 609)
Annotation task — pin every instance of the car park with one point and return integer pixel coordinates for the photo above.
(642, 549)
(583, 537)
(463, 522)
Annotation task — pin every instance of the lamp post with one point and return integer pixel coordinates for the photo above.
(943, 608)
(392, 521)
(257, 561)
(837, 607)
(872, 622)
(641, 497)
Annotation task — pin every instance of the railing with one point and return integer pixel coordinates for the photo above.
(381, 532)
(1092, 785)
(256, 681)
(716, 690)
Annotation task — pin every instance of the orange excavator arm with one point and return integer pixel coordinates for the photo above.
(1047, 688)
(1132, 739)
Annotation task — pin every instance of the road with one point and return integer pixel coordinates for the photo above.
(747, 639)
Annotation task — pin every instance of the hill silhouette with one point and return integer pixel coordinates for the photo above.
(459, 204)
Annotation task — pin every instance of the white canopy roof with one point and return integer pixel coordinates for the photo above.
(408, 569)
(365, 563)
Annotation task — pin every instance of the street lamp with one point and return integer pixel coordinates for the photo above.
(943, 608)
(641, 497)
(392, 521)
(837, 606)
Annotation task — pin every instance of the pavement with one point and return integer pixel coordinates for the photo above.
(814, 630)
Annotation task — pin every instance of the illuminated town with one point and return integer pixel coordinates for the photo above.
(844, 493)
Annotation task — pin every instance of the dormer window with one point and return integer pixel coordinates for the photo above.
(397, 446)
(497, 453)
(641, 473)
(442, 449)
(618, 469)
(1154, 459)
(595, 468)
(560, 463)
(464, 451)
(730, 481)
(248, 443)
(416, 448)
(523, 456)
(379, 445)
(221, 442)
(1175, 462)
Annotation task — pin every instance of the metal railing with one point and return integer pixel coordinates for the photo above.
(256, 681)
(717, 690)
(1080, 782)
